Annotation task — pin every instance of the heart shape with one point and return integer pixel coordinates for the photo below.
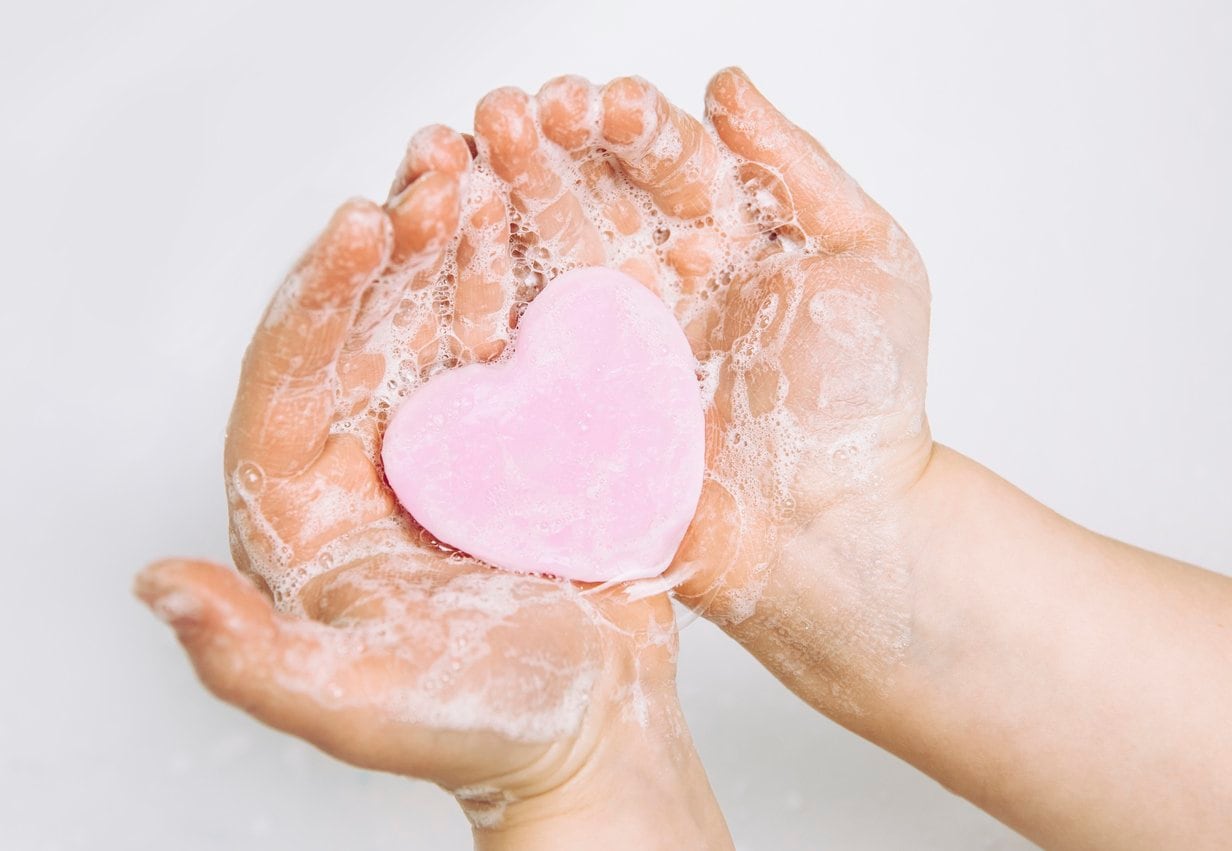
(578, 455)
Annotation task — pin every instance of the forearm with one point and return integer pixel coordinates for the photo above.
(1074, 687)
(644, 788)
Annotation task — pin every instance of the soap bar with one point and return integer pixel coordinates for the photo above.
(580, 454)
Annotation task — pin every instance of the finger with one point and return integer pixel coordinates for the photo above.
(645, 270)
(425, 219)
(661, 148)
(424, 216)
(568, 112)
(695, 256)
(352, 692)
(274, 667)
(507, 136)
(433, 148)
(299, 676)
(342, 492)
(481, 299)
(286, 396)
(828, 205)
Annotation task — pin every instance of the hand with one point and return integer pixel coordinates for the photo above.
(807, 307)
(1020, 660)
(900, 588)
(531, 699)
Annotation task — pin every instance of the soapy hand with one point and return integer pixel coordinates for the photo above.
(354, 629)
(894, 585)
(807, 308)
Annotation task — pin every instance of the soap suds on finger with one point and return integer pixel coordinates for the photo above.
(804, 384)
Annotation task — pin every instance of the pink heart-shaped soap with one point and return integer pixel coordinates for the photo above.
(579, 455)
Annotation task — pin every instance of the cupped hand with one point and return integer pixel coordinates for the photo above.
(351, 627)
(807, 308)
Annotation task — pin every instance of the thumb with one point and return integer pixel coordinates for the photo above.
(284, 671)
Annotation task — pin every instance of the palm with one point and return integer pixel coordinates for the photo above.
(424, 642)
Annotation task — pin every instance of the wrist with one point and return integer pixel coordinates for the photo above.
(916, 589)
(640, 784)
(825, 604)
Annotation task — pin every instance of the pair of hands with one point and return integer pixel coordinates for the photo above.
(807, 308)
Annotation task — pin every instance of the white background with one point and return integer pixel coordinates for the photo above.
(1063, 168)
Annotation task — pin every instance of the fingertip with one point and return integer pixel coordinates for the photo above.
(644, 271)
(439, 148)
(155, 579)
(728, 78)
(802, 176)
(424, 216)
(502, 114)
(746, 122)
(565, 110)
(693, 255)
(358, 216)
(719, 90)
(508, 137)
(731, 71)
(505, 131)
(354, 245)
(170, 589)
(432, 148)
(356, 242)
(432, 193)
(660, 147)
(632, 110)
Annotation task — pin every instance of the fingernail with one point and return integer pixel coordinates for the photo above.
(179, 609)
(169, 603)
(400, 204)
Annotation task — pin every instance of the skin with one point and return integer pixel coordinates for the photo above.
(894, 585)
(536, 702)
